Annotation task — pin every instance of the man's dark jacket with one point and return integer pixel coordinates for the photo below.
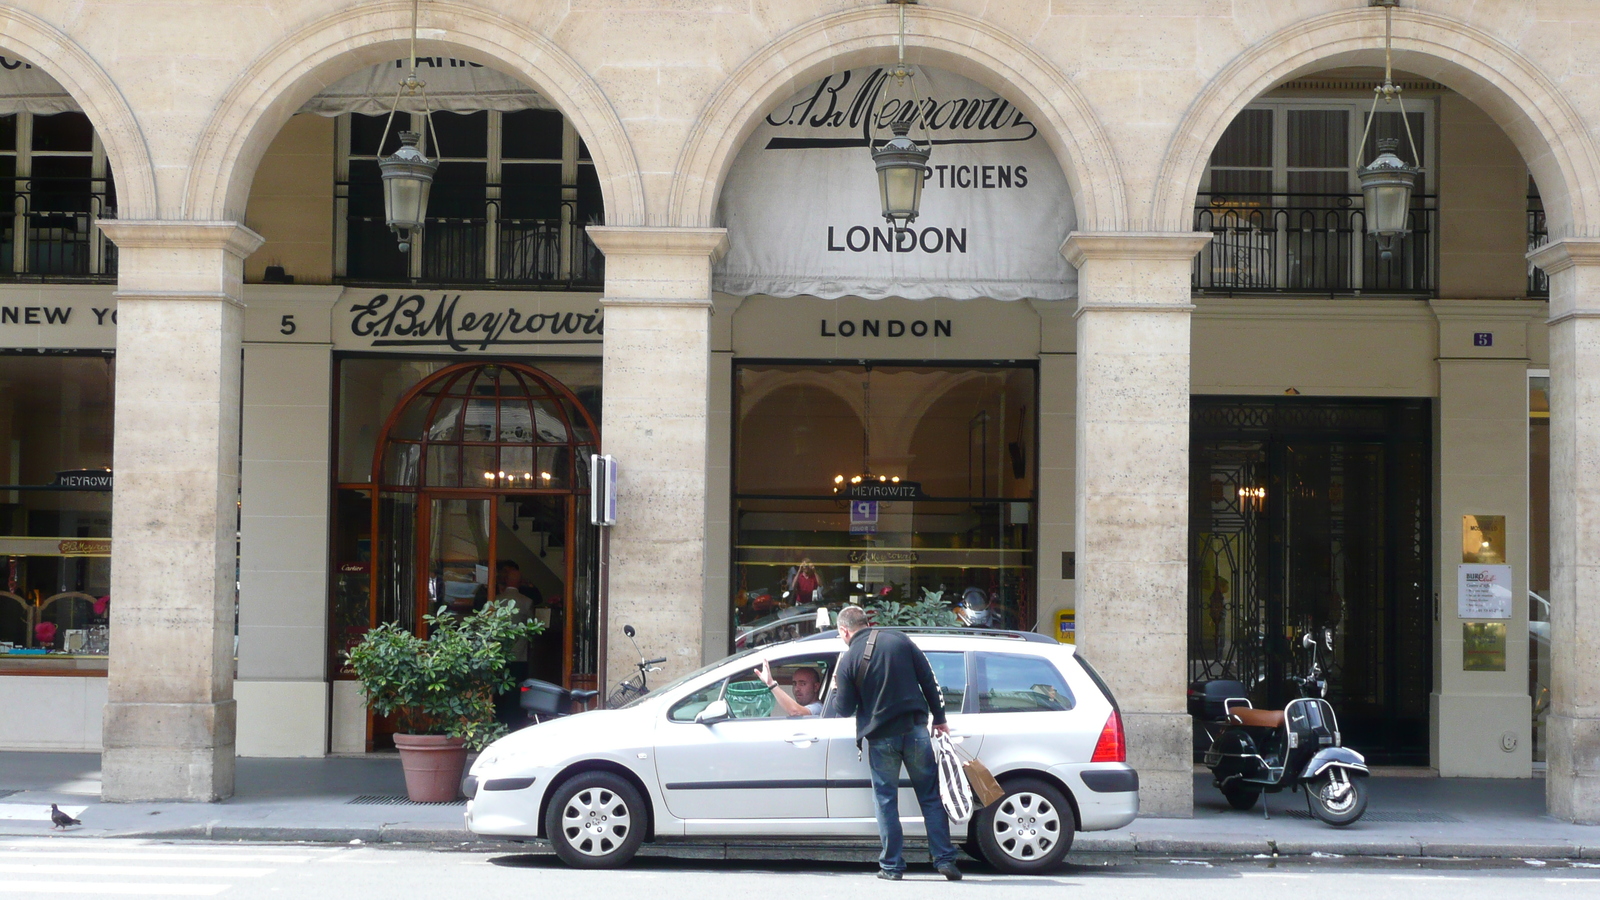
(894, 689)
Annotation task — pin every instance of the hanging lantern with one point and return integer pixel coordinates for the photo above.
(1387, 183)
(407, 179)
(901, 162)
(901, 165)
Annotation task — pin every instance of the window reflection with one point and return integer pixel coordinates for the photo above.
(960, 441)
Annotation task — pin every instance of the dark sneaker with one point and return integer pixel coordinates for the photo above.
(949, 871)
(887, 875)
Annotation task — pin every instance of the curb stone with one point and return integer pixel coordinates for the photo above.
(1501, 851)
(1375, 847)
(1219, 846)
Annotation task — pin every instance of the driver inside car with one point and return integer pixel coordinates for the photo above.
(807, 686)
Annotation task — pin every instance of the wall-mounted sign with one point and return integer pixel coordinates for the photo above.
(83, 480)
(1483, 592)
(884, 490)
(803, 212)
(474, 321)
(54, 546)
(887, 328)
(879, 557)
(863, 517)
(1483, 646)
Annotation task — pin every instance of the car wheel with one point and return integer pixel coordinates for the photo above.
(1027, 831)
(596, 820)
(970, 845)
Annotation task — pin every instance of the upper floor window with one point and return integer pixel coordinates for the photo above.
(55, 180)
(1283, 203)
(509, 204)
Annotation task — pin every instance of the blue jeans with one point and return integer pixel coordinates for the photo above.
(915, 751)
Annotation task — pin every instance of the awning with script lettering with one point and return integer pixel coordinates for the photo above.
(803, 214)
(453, 85)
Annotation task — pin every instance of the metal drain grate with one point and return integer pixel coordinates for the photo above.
(387, 800)
(1379, 816)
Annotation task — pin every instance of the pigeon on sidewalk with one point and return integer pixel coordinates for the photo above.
(61, 819)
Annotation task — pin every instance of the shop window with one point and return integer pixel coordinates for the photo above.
(460, 481)
(953, 451)
(55, 178)
(1284, 207)
(55, 513)
(509, 204)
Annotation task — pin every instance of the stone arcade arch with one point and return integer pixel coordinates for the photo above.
(271, 89)
(1561, 152)
(46, 46)
(1526, 103)
(937, 38)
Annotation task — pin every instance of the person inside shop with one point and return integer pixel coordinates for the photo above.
(807, 685)
(529, 601)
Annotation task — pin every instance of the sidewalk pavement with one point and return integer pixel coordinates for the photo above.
(345, 799)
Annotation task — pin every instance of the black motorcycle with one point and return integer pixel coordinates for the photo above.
(1255, 750)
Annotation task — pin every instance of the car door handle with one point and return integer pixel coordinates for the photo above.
(797, 739)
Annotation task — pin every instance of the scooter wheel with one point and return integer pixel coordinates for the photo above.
(1337, 798)
(1241, 798)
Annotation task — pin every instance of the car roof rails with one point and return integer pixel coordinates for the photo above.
(1032, 637)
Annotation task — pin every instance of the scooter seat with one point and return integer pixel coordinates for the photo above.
(1257, 718)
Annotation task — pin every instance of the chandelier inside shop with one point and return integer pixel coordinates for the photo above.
(901, 161)
(408, 174)
(842, 482)
(1387, 182)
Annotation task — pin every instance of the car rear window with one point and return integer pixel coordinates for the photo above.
(1009, 682)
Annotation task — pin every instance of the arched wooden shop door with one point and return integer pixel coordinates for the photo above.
(483, 488)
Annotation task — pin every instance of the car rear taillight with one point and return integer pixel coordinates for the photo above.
(1113, 744)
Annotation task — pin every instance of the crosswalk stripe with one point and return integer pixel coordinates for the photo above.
(91, 888)
(6, 854)
(168, 871)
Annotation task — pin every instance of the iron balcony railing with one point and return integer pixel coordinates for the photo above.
(491, 248)
(1538, 233)
(1309, 244)
(52, 231)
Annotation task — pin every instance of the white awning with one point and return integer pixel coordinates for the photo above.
(453, 85)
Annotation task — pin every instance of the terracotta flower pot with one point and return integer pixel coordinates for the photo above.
(433, 765)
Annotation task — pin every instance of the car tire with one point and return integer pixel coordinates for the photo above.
(970, 845)
(1027, 831)
(596, 820)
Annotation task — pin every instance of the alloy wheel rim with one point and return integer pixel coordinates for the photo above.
(595, 821)
(1026, 825)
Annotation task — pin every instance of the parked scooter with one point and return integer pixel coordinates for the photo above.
(1256, 750)
(543, 701)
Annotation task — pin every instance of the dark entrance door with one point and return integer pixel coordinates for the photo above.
(1306, 514)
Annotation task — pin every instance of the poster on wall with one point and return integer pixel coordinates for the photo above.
(1483, 592)
(802, 208)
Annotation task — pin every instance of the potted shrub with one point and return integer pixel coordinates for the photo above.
(440, 689)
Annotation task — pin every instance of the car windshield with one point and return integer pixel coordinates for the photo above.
(680, 680)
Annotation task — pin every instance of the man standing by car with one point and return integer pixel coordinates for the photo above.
(886, 682)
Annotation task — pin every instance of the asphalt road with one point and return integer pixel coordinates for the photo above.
(110, 867)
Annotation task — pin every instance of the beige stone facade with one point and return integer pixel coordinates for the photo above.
(220, 402)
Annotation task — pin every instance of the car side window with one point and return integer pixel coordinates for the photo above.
(686, 709)
(1013, 683)
(950, 669)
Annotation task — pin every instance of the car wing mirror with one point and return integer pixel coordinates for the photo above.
(715, 711)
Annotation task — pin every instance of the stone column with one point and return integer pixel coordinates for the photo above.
(169, 722)
(1572, 776)
(1481, 723)
(657, 389)
(1132, 519)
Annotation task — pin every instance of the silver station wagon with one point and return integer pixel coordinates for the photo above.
(712, 757)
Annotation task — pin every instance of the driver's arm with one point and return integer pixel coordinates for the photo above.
(791, 707)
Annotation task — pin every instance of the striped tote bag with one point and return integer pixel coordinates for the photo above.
(954, 791)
